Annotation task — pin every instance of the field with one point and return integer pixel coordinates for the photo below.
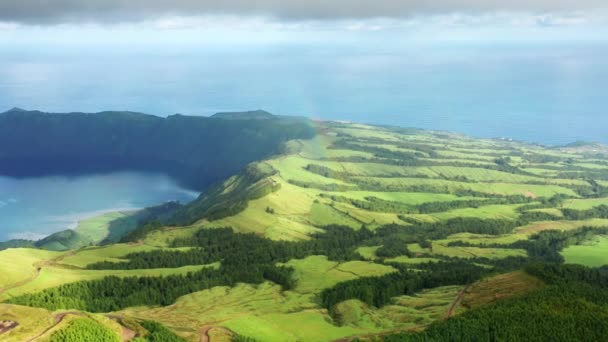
(21, 264)
(421, 202)
(316, 273)
(114, 253)
(592, 253)
(499, 287)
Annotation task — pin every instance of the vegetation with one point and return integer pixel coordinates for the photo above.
(590, 252)
(572, 308)
(358, 230)
(83, 330)
(217, 203)
(103, 229)
(159, 333)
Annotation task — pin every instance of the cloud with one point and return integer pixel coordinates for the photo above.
(33, 236)
(102, 11)
(4, 203)
(5, 26)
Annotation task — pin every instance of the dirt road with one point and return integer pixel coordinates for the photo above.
(455, 303)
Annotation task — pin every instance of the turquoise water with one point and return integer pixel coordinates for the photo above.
(35, 207)
(546, 93)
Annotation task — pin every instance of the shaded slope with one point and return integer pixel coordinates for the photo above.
(198, 151)
(230, 197)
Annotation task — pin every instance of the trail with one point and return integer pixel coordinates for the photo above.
(456, 301)
(22, 282)
(205, 334)
(127, 334)
(205, 337)
(38, 269)
(6, 326)
(58, 319)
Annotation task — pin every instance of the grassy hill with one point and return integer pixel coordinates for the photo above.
(359, 231)
(101, 229)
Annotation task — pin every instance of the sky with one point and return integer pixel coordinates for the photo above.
(359, 59)
(62, 11)
(270, 21)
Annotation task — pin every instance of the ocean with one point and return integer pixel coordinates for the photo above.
(545, 93)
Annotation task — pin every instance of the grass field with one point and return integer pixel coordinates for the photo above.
(584, 204)
(505, 212)
(32, 270)
(263, 312)
(498, 287)
(481, 239)
(368, 253)
(592, 253)
(405, 312)
(560, 225)
(498, 188)
(32, 321)
(474, 252)
(21, 264)
(316, 273)
(114, 253)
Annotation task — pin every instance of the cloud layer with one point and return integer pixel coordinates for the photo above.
(75, 11)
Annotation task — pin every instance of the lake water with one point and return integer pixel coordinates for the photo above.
(35, 207)
(552, 93)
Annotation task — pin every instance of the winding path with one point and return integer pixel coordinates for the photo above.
(205, 337)
(455, 303)
(58, 319)
(22, 282)
(127, 334)
(38, 269)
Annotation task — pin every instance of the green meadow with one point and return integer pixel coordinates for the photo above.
(592, 253)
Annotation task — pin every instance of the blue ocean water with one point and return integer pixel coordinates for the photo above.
(547, 93)
(35, 207)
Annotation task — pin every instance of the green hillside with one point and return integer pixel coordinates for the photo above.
(376, 233)
(102, 229)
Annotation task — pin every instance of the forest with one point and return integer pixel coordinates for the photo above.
(252, 259)
(572, 306)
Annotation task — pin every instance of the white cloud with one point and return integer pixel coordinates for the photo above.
(8, 26)
(4, 203)
(78, 11)
(27, 236)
